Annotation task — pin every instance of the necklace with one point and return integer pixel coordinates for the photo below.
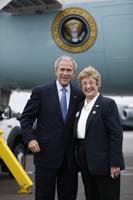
(86, 107)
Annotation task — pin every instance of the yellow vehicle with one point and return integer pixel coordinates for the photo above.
(15, 167)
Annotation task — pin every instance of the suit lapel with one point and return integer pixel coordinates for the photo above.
(73, 99)
(94, 112)
(54, 100)
(77, 116)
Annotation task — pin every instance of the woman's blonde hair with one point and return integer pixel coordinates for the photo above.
(90, 72)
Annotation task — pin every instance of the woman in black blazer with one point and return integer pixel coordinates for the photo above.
(99, 135)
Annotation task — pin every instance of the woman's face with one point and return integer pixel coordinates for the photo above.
(89, 87)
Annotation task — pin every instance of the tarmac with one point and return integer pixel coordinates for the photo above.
(9, 186)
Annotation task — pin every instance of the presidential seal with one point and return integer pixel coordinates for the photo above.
(74, 30)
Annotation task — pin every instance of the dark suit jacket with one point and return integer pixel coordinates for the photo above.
(103, 137)
(54, 136)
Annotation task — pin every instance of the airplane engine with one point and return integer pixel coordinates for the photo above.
(128, 113)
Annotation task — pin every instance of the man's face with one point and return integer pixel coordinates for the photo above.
(65, 72)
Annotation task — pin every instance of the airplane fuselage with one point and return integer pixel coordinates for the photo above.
(28, 48)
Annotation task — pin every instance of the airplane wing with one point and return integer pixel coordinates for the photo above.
(30, 6)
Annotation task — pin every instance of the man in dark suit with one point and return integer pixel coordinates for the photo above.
(52, 138)
(98, 133)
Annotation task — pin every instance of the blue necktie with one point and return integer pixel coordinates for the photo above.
(63, 103)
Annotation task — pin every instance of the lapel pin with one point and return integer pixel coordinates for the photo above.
(77, 114)
(94, 112)
(97, 106)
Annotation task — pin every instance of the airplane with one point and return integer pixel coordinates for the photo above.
(94, 32)
(34, 33)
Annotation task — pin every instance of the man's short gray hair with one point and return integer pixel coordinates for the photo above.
(67, 58)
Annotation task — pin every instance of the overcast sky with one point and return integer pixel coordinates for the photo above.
(19, 99)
